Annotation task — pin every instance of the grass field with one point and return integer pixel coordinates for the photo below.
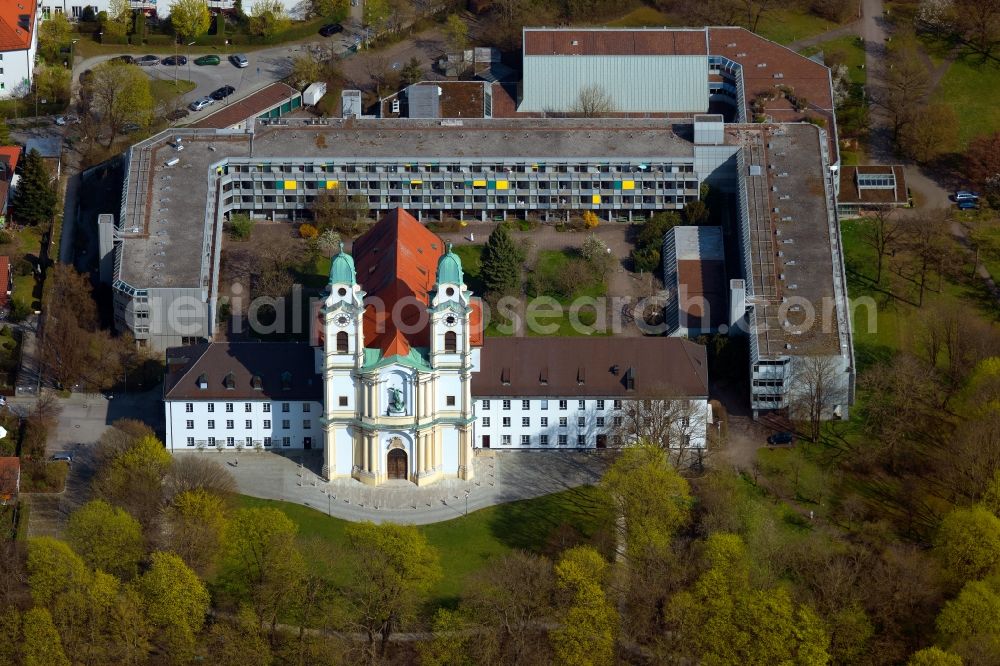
(848, 50)
(967, 87)
(165, 88)
(788, 25)
(465, 544)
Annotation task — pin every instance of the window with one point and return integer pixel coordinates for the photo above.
(545, 422)
(190, 425)
(249, 442)
(267, 408)
(211, 407)
(486, 422)
(247, 407)
(525, 440)
(249, 424)
(306, 407)
(286, 441)
(229, 424)
(450, 342)
(230, 441)
(506, 422)
(600, 405)
(486, 405)
(189, 407)
(505, 440)
(267, 441)
(307, 424)
(211, 424)
(563, 404)
(342, 342)
(581, 440)
(286, 424)
(543, 440)
(600, 421)
(525, 422)
(342, 401)
(563, 422)
(563, 440)
(618, 404)
(581, 404)
(190, 441)
(545, 405)
(211, 441)
(506, 405)
(285, 407)
(449, 400)
(618, 420)
(229, 407)
(581, 422)
(525, 404)
(267, 424)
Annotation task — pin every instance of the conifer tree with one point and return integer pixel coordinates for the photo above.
(35, 200)
(501, 263)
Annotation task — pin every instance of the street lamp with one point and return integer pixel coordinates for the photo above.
(190, 44)
(72, 53)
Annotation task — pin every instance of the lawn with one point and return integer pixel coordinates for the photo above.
(164, 89)
(470, 256)
(966, 87)
(849, 50)
(986, 235)
(643, 17)
(466, 544)
(788, 25)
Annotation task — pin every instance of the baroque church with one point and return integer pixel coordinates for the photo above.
(399, 383)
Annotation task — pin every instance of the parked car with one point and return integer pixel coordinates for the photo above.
(208, 60)
(968, 204)
(170, 61)
(222, 93)
(66, 457)
(69, 119)
(201, 103)
(177, 114)
(781, 438)
(239, 60)
(961, 195)
(148, 61)
(128, 128)
(127, 59)
(331, 29)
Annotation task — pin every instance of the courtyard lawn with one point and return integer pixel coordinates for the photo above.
(852, 51)
(470, 256)
(966, 87)
(466, 544)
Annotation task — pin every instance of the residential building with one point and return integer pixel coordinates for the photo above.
(9, 156)
(18, 46)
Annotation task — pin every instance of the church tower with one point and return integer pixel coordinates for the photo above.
(340, 355)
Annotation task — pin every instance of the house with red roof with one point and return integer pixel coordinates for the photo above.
(9, 156)
(18, 45)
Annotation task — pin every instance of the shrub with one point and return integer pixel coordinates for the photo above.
(646, 259)
(240, 226)
(23, 267)
(5, 237)
(590, 219)
(308, 231)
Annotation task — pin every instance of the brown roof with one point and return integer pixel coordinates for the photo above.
(10, 475)
(704, 282)
(851, 194)
(242, 362)
(250, 106)
(539, 42)
(661, 367)
(458, 99)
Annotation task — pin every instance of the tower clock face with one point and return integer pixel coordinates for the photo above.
(342, 320)
(450, 320)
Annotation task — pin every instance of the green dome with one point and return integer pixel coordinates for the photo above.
(449, 268)
(342, 268)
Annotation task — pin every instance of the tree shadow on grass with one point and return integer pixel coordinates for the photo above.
(549, 524)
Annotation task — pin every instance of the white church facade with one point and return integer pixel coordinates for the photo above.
(400, 383)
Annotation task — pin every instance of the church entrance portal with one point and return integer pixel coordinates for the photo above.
(396, 464)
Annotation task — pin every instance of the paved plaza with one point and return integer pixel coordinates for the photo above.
(500, 476)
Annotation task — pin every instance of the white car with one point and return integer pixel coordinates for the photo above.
(67, 120)
(201, 103)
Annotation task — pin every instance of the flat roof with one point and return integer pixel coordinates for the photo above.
(250, 106)
(851, 194)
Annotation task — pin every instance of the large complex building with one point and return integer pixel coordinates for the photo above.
(783, 250)
(402, 385)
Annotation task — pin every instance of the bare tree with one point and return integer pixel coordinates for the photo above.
(195, 472)
(927, 245)
(906, 84)
(673, 425)
(882, 233)
(593, 101)
(815, 389)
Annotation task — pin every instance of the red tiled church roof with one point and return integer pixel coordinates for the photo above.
(396, 264)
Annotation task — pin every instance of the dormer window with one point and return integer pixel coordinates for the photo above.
(203, 381)
(581, 376)
(256, 383)
(543, 376)
(505, 376)
(630, 379)
(230, 381)
(286, 381)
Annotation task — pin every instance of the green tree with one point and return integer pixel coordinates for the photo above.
(133, 479)
(261, 563)
(975, 611)
(650, 497)
(267, 17)
(376, 14)
(934, 656)
(195, 522)
(991, 496)
(588, 622)
(456, 32)
(596, 252)
(968, 542)
(119, 18)
(190, 18)
(500, 265)
(53, 34)
(5, 139)
(52, 82)
(239, 641)
(412, 72)
(106, 538)
(10, 634)
(42, 645)
(305, 70)
(35, 200)
(695, 213)
(395, 568)
(646, 255)
(121, 94)
(175, 603)
(53, 568)
(334, 10)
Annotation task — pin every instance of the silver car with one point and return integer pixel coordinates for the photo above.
(239, 60)
(201, 103)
